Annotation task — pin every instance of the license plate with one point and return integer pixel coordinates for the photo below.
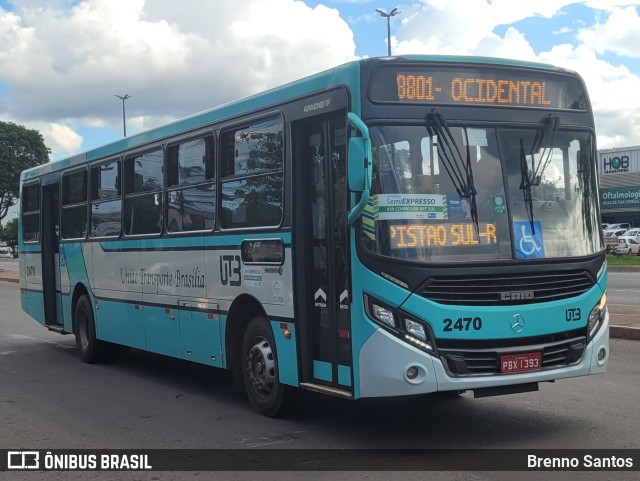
(530, 361)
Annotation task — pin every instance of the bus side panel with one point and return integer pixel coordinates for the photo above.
(121, 323)
(115, 271)
(73, 270)
(31, 298)
(200, 336)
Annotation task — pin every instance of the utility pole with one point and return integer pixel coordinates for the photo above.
(124, 122)
(388, 16)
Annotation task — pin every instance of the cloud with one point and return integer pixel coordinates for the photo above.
(61, 139)
(620, 33)
(468, 27)
(64, 65)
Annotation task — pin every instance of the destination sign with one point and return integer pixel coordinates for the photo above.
(482, 86)
(410, 236)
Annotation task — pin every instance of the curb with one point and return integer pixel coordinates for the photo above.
(625, 332)
(13, 277)
(623, 268)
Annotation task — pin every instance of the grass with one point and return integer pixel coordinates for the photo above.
(623, 260)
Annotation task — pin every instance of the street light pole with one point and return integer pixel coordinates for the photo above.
(388, 16)
(124, 122)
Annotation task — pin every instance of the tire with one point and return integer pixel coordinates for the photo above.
(259, 366)
(84, 328)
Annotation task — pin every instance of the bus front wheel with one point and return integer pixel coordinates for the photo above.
(89, 347)
(260, 371)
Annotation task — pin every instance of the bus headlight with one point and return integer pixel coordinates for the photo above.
(417, 335)
(596, 317)
(415, 329)
(384, 315)
(379, 312)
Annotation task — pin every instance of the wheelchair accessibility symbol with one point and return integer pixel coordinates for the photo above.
(528, 244)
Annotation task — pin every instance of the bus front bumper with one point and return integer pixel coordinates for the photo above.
(390, 367)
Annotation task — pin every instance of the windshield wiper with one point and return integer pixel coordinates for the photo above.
(543, 142)
(458, 169)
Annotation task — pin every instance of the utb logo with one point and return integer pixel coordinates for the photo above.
(616, 163)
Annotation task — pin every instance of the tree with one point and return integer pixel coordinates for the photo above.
(20, 149)
(9, 234)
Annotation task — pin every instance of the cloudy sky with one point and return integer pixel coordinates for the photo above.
(62, 61)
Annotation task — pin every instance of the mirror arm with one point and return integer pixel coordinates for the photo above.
(357, 122)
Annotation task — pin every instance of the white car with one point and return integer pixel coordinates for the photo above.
(614, 233)
(633, 232)
(627, 245)
(616, 227)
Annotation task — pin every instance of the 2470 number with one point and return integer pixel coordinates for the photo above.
(462, 324)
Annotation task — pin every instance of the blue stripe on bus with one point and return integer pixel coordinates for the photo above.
(207, 242)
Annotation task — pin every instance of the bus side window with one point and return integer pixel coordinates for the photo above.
(191, 189)
(31, 212)
(252, 175)
(144, 181)
(106, 200)
(73, 217)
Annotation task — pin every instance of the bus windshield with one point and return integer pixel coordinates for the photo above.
(482, 193)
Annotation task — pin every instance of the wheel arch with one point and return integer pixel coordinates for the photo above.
(243, 309)
(79, 290)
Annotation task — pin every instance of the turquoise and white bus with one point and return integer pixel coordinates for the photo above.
(392, 226)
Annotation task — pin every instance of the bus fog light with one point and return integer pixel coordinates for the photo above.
(415, 374)
(412, 372)
(602, 355)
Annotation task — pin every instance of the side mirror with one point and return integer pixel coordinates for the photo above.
(359, 165)
(356, 166)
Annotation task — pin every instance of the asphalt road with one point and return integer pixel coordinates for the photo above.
(51, 400)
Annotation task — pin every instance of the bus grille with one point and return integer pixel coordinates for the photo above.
(461, 358)
(485, 290)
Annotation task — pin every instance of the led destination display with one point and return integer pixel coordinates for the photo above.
(408, 236)
(470, 86)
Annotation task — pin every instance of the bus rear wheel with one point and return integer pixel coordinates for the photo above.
(259, 365)
(84, 329)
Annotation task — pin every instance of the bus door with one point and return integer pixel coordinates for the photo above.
(322, 251)
(50, 254)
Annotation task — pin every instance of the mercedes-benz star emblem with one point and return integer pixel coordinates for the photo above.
(517, 323)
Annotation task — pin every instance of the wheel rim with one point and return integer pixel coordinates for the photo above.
(83, 335)
(261, 367)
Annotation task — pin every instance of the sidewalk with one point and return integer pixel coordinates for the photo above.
(9, 276)
(625, 320)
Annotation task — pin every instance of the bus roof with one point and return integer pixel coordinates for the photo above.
(309, 84)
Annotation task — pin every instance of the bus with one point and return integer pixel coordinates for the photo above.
(392, 226)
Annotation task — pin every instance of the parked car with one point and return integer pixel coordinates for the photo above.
(613, 227)
(614, 233)
(604, 225)
(6, 252)
(633, 232)
(627, 245)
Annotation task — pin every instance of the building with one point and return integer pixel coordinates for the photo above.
(620, 185)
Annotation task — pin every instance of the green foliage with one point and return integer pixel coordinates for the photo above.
(20, 149)
(623, 260)
(9, 234)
